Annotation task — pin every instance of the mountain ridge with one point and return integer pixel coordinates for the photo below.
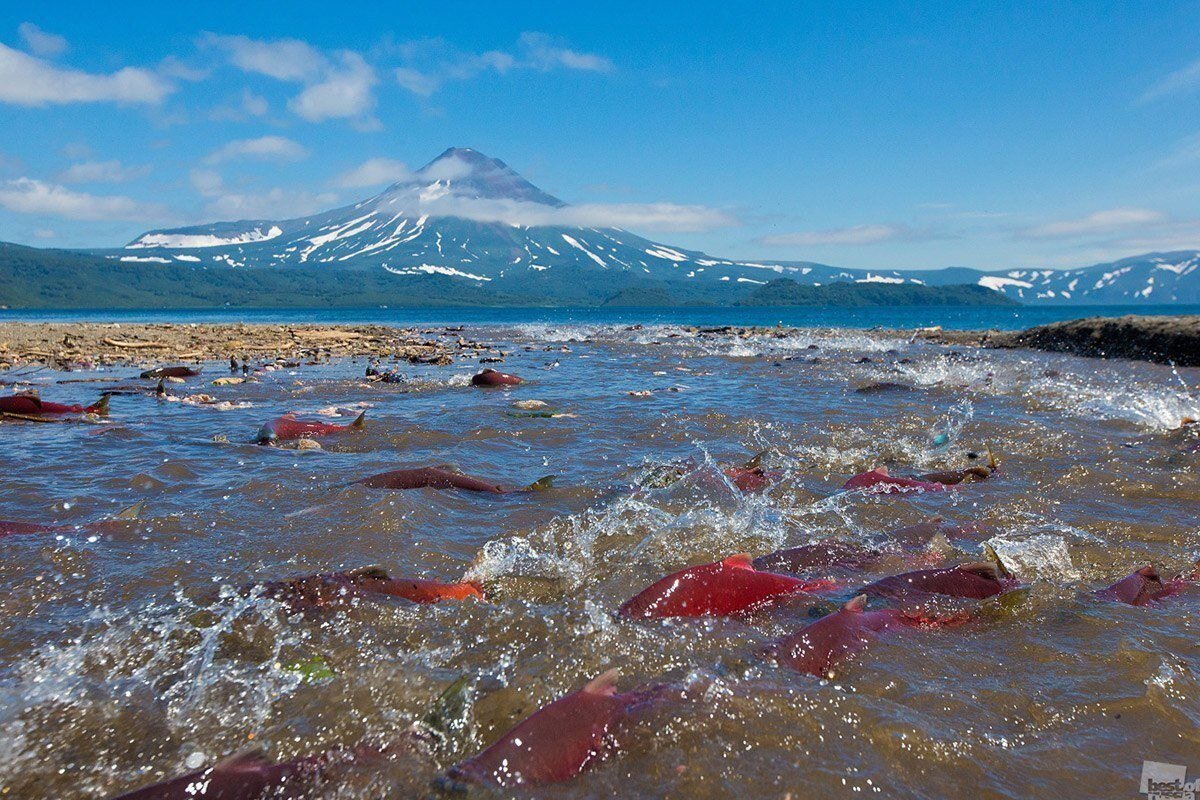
(474, 221)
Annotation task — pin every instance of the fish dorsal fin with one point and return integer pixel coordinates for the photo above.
(604, 683)
(936, 519)
(882, 471)
(738, 561)
(994, 557)
(32, 397)
(132, 512)
(857, 605)
(541, 484)
(375, 572)
(992, 462)
(756, 461)
(983, 569)
(245, 758)
(1150, 573)
(360, 421)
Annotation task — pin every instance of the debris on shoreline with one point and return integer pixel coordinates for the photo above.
(83, 345)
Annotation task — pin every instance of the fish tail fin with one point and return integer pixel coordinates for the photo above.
(541, 484)
(992, 463)
(161, 389)
(360, 421)
(131, 512)
(101, 406)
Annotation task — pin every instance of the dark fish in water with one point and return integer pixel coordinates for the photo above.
(825, 554)
(251, 776)
(922, 533)
(247, 776)
(879, 481)
(490, 377)
(13, 528)
(973, 581)
(884, 386)
(30, 405)
(1146, 586)
(329, 588)
(441, 478)
(749, 479)
(288, 428)
(171, 372)
(820, 646)
(720, 589)
(559, 740)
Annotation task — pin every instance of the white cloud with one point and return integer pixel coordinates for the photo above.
(226, 203)
(336, 86)
(101, 172)
(41, 43)
(1101, 222)
(271, 148)
(344, 92)
(30, 196)
(29, 81)
(247, 106)
(545, 53)
(857, 235)
(429, 64)
(373, 172)
(666, 217)
(1182, 80)
(282, 59)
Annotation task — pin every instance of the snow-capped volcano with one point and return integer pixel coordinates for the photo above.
(463, 215)
(471, 218)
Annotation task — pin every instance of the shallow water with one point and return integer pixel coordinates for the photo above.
(128, 654)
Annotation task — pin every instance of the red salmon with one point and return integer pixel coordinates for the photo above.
(1146, 587)
(720, 589)
(820, 646)
(556, 742)
(30, 405)
(973, 581)
(288, 428)
(441, 478)
(490, 377)
(328, 588)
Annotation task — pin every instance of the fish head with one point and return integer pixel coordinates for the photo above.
(266, 434)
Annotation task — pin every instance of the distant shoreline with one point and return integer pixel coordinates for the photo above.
(81, 345)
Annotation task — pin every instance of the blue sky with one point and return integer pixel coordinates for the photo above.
(860, 134)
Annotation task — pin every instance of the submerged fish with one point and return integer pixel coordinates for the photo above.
(30, 405)
(490, 377)
(1145, 587)
(723, 588)
(559, 740)
(973, 581)
(287, 428)
(328, 588)
(820, 555)
(820, 646)
(442, 478)
(246, 776)
(15, 528)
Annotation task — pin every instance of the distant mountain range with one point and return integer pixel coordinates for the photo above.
(467, 229)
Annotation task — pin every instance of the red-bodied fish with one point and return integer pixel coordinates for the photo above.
(556, 742)
(720, 589)
(328, 588)
(30, 405)
(820, 646)
(14, 528)
(1145, 587)
(247, 776)
(972, 581)
(490, 377)
(749, 479)
(879, 481)
(288, 428)
(824, 554)
(442, 478)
